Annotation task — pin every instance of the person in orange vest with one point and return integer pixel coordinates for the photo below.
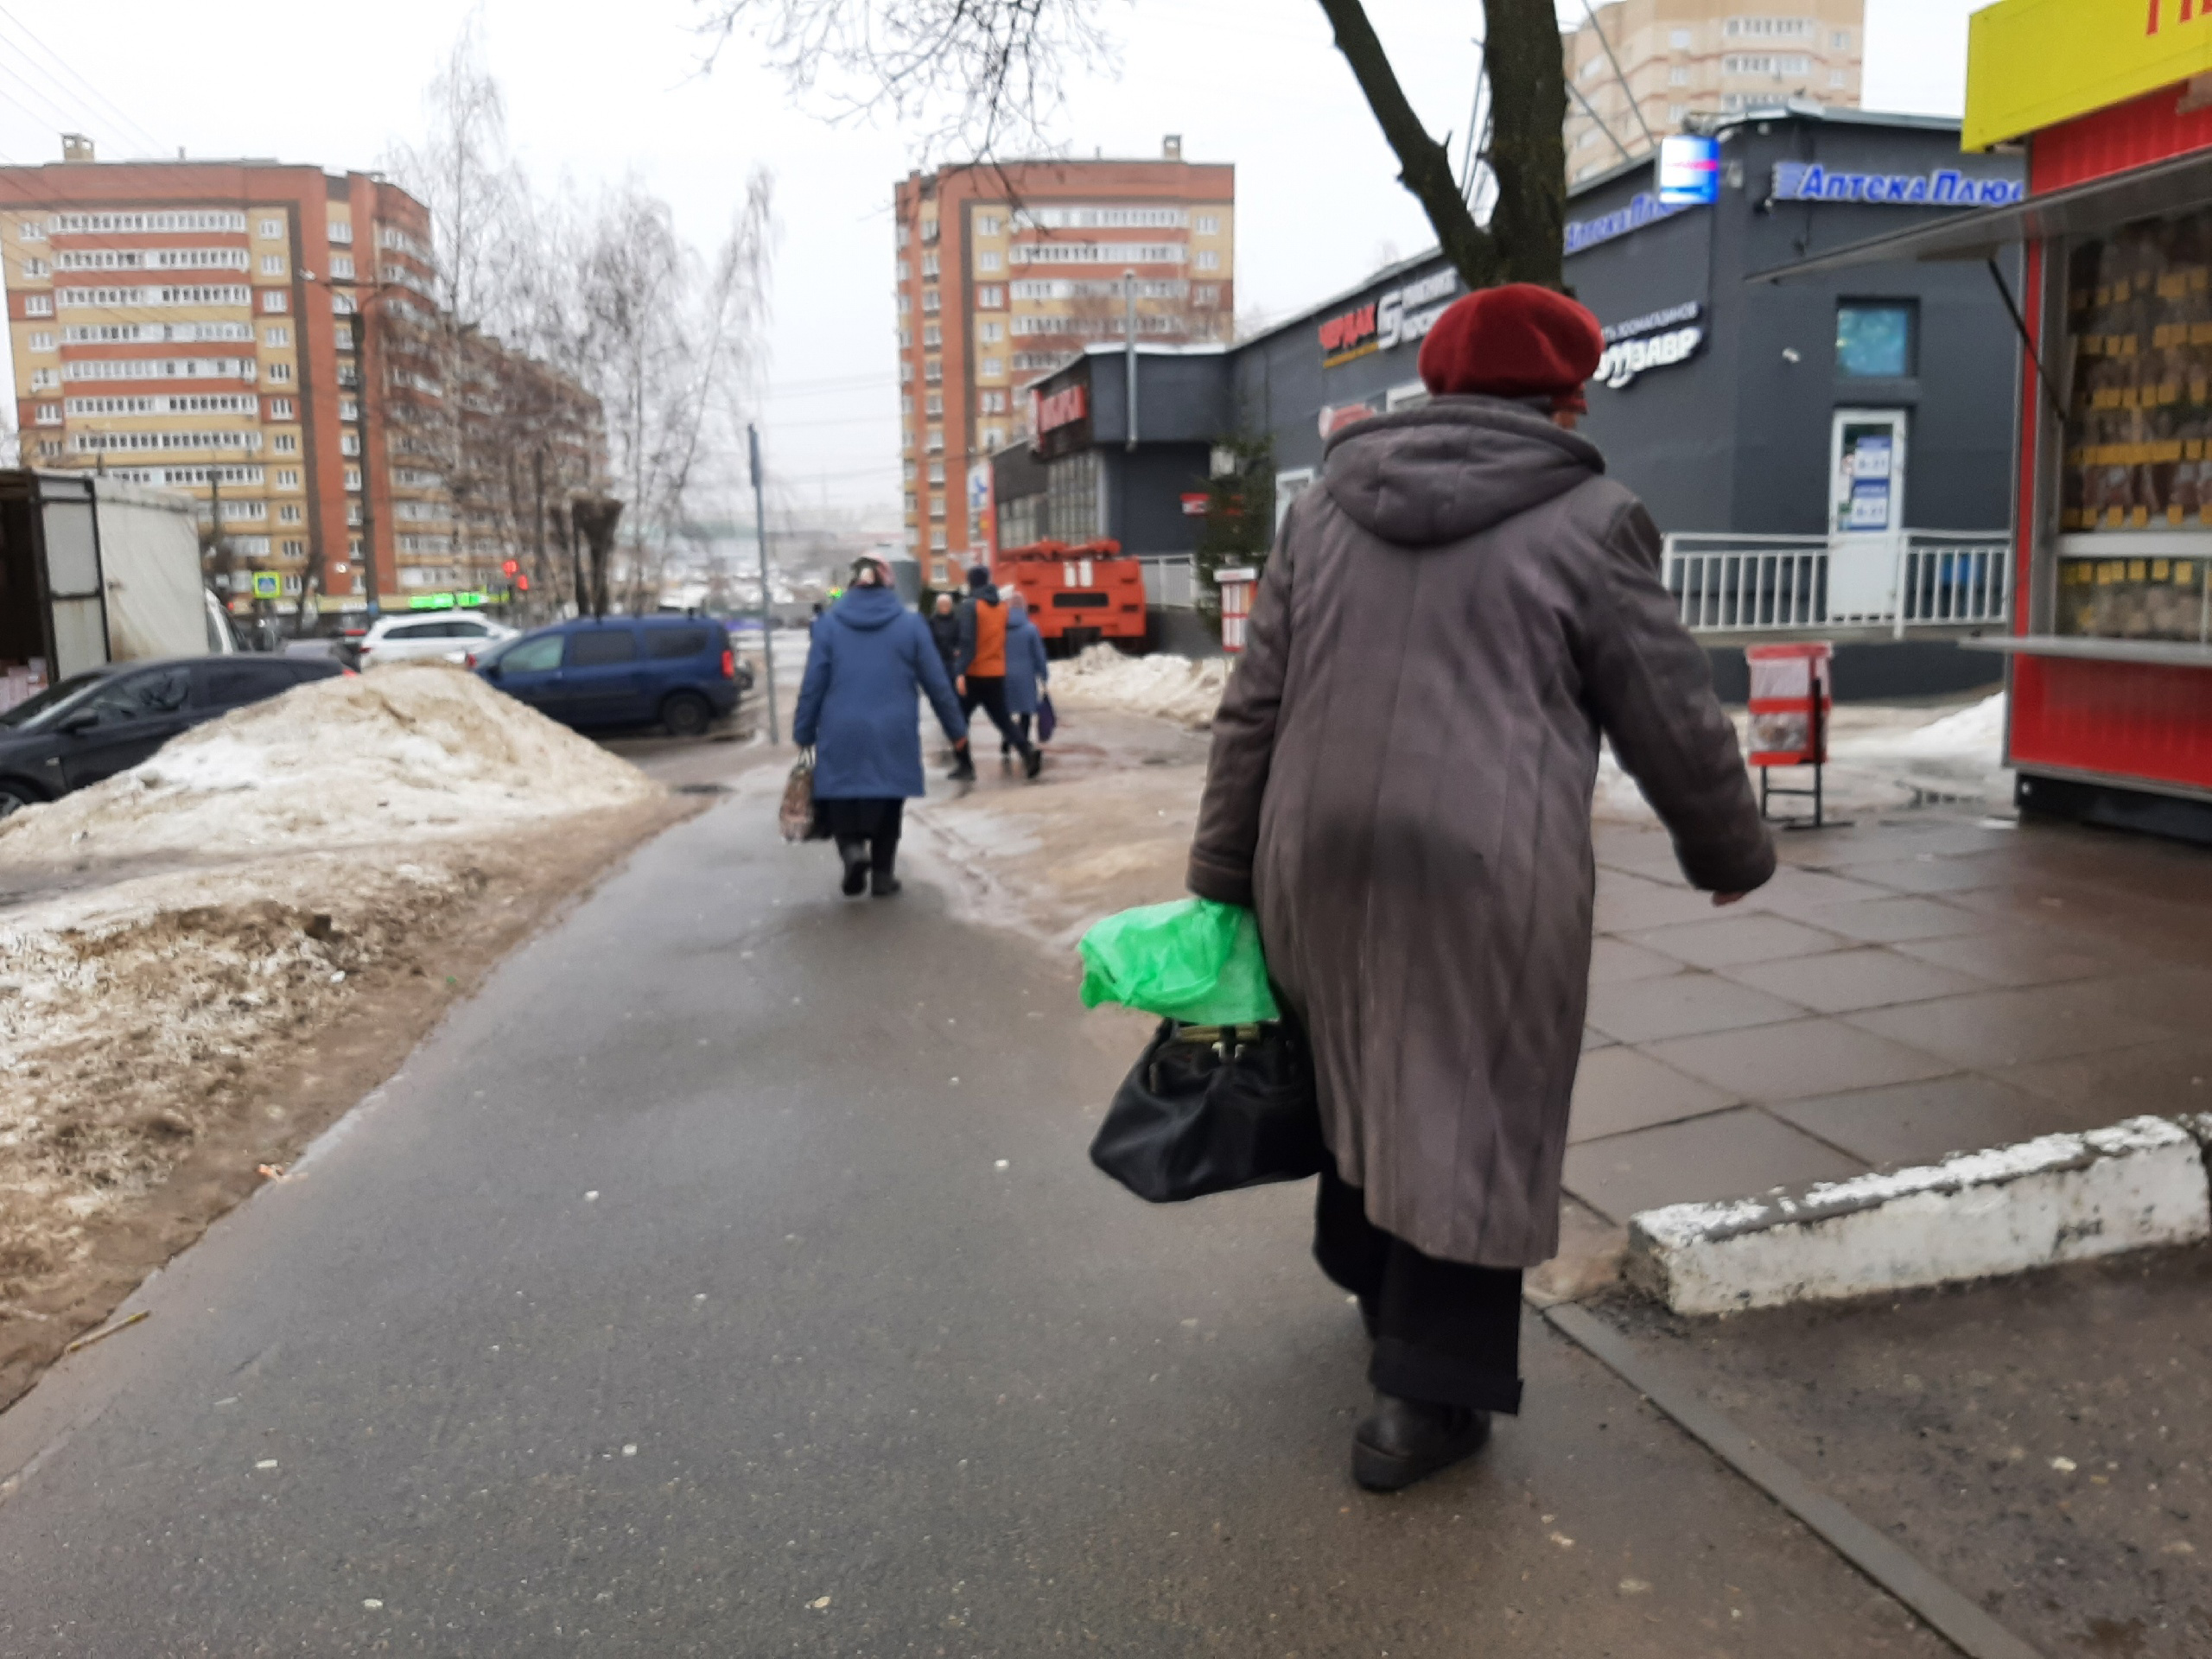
(979, 672)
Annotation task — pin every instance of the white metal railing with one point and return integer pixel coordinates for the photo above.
(1779, 584)
(1171, 581)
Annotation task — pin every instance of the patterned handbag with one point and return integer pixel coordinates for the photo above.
(802, 816)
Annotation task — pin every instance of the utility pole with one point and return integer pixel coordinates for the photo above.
(1129, 349)
(768, 595)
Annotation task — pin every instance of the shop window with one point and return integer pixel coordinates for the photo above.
(2137, 489)
(1874, 339)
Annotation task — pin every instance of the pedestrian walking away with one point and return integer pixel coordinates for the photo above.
(1400, 785)
(871, 661)
(1027, 668)
(979, 671)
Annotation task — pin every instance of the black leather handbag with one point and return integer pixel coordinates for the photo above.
(1209, 1109)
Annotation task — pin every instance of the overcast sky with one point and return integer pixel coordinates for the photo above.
(595, 91)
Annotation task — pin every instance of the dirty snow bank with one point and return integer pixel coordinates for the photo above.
(417, 750)
(179, 930)
(1180, 689)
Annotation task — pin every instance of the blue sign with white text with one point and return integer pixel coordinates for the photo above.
(1810, 182)
(1689, 171)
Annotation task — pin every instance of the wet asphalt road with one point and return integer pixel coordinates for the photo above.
(727, 1278)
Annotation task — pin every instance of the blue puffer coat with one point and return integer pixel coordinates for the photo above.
(857, 706)
(1027, 670)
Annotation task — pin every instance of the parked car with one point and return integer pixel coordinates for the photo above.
(106, 720)
(622, 671)
(413, 637)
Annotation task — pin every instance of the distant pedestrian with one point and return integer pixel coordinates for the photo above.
(871, 661)
(979, 671)
(944, 628)
(1027, 669)
(1401, 784)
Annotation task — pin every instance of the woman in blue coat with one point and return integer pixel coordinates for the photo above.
(1027, 669)
(857, 711)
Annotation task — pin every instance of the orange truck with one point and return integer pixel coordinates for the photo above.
(1077, 596)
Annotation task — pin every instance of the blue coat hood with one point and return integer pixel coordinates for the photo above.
(871, 661)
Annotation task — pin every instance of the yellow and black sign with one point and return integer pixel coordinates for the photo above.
(2035, 63)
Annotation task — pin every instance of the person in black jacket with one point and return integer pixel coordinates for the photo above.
(944, 628)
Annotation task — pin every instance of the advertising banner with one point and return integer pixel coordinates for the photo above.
(2035, 63)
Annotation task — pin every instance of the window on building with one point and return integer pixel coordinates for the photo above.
(905, 304)
(1207, 224)
(353, 478)
(908, 468)
(38, 305)
(993, 402)
(1678, 40)
(990, 259)
(937, 472)
(349, 443)
(275, 300)
(907, 402)
(341, 266)
(994, 437)
(48, 415)
(903, 237)
(278, 334)
(1839, 80)
(31, 231)
(992, 366)
(933, 403)
(285, 443)
(937, 541)
(928, 230)
(280, 409)
(349, 409)
(991, 332)
(289, 513)
(929, 302)
(988, 225)
(41, 342)
(46, 379)
(287, 478)
(294, 550)
(279, 373)
(904, 270)
(272, 264)
(932, 336)
(1840, 40)
(911, 500)
(1678, 76)
(989, 297)
(1674, 114)
(1874, 338)
(929, 266)
(1206, 259)
(270, 229)
(34, 268)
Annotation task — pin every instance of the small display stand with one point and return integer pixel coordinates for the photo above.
(1792, 695)
(1236, 589)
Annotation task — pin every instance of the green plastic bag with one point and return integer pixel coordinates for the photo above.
(1194, 960)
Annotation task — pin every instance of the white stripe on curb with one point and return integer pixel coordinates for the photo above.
(2063, 1198)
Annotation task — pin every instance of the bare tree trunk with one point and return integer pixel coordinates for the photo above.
(1528, 146)
(595, 516)
(1424, 167)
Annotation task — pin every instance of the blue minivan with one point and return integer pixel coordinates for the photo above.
(622, 671)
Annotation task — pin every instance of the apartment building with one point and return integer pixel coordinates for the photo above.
(261, 337)
(527, 437)
(1006, 273)
(1673, 61)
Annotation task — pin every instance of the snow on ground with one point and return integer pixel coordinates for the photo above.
(1179, 689)
(174, 930)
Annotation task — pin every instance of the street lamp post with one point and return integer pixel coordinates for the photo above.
(768, 597)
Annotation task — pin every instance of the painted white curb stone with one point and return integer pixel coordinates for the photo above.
(2063, 1198)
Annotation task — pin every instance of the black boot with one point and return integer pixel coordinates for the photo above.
(1405, 1441)
(883, 884)
(964, 768)
(1033, 760)
(856, 857)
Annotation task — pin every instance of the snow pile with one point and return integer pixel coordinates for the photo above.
(1972, 733)
(1180, 689)
(417, 750)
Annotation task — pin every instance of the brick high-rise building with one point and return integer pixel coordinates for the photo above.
(1686, 57)
(1005, 272)
(247, 331)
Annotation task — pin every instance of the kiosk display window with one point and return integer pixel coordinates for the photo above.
(2136, 514)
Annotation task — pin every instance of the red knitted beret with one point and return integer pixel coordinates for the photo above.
(1516, 341)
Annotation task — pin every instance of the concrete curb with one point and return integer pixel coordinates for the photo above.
(2061, 1197)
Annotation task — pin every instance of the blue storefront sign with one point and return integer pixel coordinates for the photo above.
(1948, 188)
(1643, 209)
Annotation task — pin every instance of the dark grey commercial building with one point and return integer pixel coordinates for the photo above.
(1877, 402)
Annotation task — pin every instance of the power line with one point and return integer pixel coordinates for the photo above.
(98, 96)
(1635, 108)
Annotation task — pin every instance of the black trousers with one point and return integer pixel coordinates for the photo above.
(867, 830)
(1021, 725)
(1443, 1332)
(988, 692)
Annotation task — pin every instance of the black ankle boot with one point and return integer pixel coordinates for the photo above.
(883, 884)
(1406, 1440)
(855, 873)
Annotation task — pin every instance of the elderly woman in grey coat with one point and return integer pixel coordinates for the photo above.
(1401, 784)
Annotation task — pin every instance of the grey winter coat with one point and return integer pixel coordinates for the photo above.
(1401, 784)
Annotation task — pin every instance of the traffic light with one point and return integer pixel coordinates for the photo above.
(510, 567)
(522, 583)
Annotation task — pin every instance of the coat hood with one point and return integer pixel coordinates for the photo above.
(869, 608)
(1452, 468)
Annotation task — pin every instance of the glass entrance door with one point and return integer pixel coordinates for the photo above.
(1866, 457)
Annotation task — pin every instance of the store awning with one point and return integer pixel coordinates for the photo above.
(2170, 186)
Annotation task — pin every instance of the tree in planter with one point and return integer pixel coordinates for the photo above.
(1239, 528)
(998, 65)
